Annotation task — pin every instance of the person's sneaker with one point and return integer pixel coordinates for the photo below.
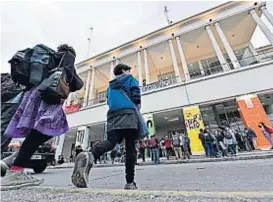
(7, 162)
(130, 186)
(18, 179)
(83, 164)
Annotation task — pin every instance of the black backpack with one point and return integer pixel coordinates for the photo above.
(29, 67)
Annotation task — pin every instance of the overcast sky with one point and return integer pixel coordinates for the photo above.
(24, 24)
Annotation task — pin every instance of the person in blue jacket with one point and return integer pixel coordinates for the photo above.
(123, 100)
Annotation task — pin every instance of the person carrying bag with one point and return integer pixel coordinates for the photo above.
(38, 121)
(123, 122)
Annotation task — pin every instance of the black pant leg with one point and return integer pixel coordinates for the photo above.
(113, 137)
(29, 146)
(131, 155)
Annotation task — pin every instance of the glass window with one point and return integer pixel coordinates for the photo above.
(211, 66)
(245, 57)
(101, 97)
(194, 70)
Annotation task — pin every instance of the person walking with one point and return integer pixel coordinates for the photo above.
(267, 131)
(38, 121)
(123, 122)
(185, 145)
(177, 145)
(220, 140)
(155, 149)
(230, 140)
(142, 148)
(252, 137)
(188, 143)
(208, 140)
(9, 91)
(202, 139)
(163, 148)
(168, 146)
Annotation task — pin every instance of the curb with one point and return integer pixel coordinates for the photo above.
(171, 162)
(143, 193)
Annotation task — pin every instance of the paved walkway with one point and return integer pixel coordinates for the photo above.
(265, 154)
(50, 194)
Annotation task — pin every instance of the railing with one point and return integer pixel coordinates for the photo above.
(96, 101)
(255, 59)
(159, 84)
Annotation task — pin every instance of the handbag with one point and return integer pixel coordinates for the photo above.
(142, 126)
(55, 89)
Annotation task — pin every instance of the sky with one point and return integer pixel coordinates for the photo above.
(27, 23)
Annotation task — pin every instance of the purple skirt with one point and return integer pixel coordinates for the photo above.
(34, 113)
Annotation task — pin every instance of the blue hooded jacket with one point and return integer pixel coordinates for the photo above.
(115, 95)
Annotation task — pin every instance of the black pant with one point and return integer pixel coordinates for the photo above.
(169, 152)
(142, 153)
(115, 137)
(29, 146)
(189, 148)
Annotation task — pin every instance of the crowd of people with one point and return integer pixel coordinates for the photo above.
(218, 142)
(177, 145)
(224, 140)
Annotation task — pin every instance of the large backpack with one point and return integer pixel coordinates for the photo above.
(30, 66)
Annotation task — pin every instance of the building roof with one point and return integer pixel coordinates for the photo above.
(159, 30)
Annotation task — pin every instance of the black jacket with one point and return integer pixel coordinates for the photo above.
(75, 82)
(9, 90)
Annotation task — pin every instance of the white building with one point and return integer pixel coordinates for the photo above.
(206, 60)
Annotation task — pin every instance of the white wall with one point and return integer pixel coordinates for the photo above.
(236, 82)
(94, 114)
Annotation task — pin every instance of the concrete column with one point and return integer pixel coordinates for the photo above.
(112, 76)
(175, 65)
(267, 14)
(217, 50)
(254, 52)
(262, 26)
(92, 83)
(227, 46)
(59, 144)
(183, 59)
(85, 100)
(139, 67)
(146, 67)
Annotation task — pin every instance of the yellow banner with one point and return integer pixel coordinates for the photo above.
(194, 122)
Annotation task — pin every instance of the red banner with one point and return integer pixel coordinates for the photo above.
(71, 108)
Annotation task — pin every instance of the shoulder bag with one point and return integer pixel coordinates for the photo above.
(55, 88)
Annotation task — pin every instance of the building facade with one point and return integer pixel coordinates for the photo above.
(200, 71)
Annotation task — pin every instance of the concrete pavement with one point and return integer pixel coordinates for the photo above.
(231, 176)
(266, 154)
(249, 180)
(49, 194)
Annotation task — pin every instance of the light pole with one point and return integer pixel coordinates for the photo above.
(89, 41)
